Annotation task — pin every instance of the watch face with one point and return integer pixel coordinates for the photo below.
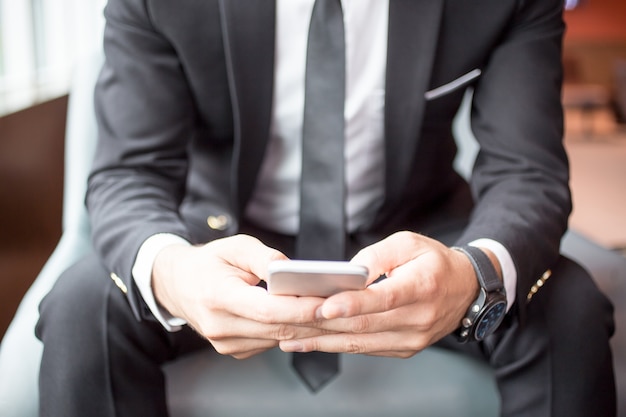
(490, 320)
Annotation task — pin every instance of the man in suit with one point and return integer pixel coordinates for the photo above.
(194, 191)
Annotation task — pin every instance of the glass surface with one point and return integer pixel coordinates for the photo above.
(490, 320)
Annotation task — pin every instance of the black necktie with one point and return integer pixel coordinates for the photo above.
(322, 214)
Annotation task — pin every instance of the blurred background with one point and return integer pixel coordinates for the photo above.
(41, 41)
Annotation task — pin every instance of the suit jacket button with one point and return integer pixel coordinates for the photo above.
(218, 222)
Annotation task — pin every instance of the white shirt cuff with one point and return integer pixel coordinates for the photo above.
(509, 273)
(142, 274)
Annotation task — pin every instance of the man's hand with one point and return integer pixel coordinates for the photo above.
(214, 288)
(426, 294)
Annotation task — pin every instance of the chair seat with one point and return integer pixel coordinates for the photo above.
(433, 383)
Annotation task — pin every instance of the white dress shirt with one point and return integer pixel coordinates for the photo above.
(276, 199)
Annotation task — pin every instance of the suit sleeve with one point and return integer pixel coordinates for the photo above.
(145, 116)
(520, 178)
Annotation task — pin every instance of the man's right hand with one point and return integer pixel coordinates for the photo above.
(214, 288)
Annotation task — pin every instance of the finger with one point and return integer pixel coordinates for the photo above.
(242, 348)
(248, 254)
(256, 304)
(403, 354)
(384, 256)
(360, 344)
(406, 318)
(246, 355)
(241, 328)
(412, 282)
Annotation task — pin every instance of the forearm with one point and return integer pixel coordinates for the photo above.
(520, 179)
(139, 172)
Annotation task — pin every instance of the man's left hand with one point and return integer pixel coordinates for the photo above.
(426, 294)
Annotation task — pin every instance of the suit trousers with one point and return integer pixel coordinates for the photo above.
(98, 360)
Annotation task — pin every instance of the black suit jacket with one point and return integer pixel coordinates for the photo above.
(184, 105)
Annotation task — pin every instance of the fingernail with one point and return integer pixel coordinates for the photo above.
(291, 346)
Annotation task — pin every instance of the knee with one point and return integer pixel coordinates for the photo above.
(75, 299)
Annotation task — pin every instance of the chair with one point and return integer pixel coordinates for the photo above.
(432, 383)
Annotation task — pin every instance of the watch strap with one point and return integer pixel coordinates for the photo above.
(485, 271)
(491, 286)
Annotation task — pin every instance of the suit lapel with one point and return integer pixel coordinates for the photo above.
(249, 30)
(413, 32)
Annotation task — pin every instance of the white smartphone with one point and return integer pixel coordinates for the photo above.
(315, 278)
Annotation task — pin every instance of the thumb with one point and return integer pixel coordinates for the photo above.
(388, 254)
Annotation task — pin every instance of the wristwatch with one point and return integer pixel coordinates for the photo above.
(488, 310)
